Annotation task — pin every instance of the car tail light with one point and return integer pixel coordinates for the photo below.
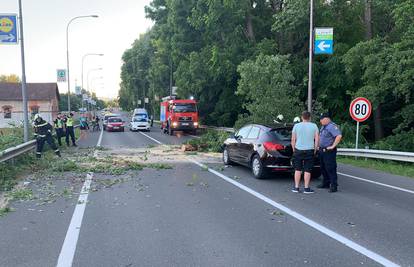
(269, 146)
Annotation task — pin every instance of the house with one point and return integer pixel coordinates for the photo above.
(43, 98)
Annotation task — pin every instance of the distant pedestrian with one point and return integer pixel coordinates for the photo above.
(330, 137)
(43, 133)
(59, 124)
(70, 130)
(305, 140)
(83, 124)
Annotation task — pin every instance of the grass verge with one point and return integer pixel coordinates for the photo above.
(397, 168)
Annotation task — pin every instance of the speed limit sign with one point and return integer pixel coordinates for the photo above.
(360, 109)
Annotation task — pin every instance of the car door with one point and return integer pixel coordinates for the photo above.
(247, 144)
(239, 150)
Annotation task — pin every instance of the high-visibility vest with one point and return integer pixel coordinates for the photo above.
(69, 123)
(59, 123)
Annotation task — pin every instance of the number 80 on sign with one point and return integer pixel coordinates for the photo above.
(360, 109)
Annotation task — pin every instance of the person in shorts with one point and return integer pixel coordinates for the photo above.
(305, 141)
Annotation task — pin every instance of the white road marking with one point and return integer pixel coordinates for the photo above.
(155, 140)
(377, 183)
(69, 245)
(100, 138)
(324, 230)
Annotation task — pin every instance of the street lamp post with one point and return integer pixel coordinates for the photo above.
(83, 60)
(67, 51)
(87, 80)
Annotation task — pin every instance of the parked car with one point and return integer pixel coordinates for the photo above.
(264, 149)
(106, 117)
(115, 124)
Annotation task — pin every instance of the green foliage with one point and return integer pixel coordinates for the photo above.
(259, 49)
(267, 86)
(403, 141)
(211, 141)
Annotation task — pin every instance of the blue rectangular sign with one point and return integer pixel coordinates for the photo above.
(8, 29)
(324, 47)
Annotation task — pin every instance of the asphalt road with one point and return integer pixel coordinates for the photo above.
(188, 216)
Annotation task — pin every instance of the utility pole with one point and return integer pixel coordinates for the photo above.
(24, 91)
(310, 57)
(171, 76)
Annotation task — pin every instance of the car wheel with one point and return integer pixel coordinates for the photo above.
(226, 157)
(258, 169)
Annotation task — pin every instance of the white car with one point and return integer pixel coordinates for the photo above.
(140, 121)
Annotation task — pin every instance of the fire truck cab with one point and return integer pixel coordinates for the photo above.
(178, 115)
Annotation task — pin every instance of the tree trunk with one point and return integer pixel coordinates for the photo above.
(249, 24)
(368, 19)
(379, 129)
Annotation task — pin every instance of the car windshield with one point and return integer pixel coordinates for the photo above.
(115, 120)
(184, 107)
(140, 118)
(283, 134)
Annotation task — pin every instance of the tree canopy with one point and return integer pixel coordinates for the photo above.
(247, 60)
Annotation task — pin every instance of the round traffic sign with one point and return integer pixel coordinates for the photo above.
(360, 109)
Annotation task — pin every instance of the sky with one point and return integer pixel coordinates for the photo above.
(120, 22)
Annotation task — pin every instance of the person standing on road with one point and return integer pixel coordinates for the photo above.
(70, 131)
(330, 137)
(59, 128)
(83, 123)
(43, 133)
(305, 141)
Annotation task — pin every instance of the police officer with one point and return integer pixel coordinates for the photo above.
(59, 128)
(43, 133)
(70, 131)
(330, 136)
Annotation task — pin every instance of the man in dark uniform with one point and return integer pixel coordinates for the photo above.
(43, 133)
(59, 128)
(330, 136)
(70, 130)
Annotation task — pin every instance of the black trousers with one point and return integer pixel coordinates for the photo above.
(59, 135)
(41, 142)
(70, 132)
(328, 167)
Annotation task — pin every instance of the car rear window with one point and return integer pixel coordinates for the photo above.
(115, 120)
(283, 134)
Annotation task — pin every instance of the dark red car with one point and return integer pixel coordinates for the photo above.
(115, 124)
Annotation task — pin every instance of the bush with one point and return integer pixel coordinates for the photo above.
(211, 141)
(403, 141)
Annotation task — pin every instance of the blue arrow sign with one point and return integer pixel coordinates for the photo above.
(8, 29)
(323, 41)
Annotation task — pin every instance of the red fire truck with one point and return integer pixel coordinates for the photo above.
(178, 115)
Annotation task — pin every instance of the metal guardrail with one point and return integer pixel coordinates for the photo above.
(377, 154)
(18, 150)
(362, 153)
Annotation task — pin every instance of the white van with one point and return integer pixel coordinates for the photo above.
(140, 120)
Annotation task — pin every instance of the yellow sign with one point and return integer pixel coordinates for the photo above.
(6, 25)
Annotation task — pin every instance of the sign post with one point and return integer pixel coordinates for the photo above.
(61, 75)
(360, 110)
